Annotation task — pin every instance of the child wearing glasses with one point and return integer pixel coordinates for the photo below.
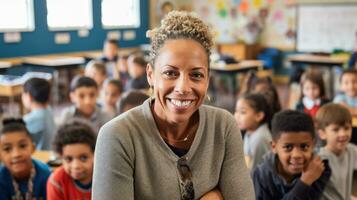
(75, 143)
(21, 177)
(291, 170)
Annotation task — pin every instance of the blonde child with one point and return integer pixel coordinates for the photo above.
(96, 70)
(21, 177)
(75, 143)
(253, 115)
(313, 93)
(349, 89)
(334, 124)
(83, 93)
(112, 92)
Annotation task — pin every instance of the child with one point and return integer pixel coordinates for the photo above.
(110, 56)
(39, 121)
(291, 171)
(266, 87)
(334, 124)
(122, 70)
(21, 177)
(97, 71)
(349, 87)
(137, 72)
(75, 143)
(253, 115)
(313, 93)
(131, 99)
(83, 93)
(112, 91)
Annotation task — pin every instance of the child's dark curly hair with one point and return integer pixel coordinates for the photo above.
(74, 132)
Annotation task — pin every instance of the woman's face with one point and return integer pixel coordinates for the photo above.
(180, 79)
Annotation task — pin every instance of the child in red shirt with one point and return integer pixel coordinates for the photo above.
(75, 143)
(313, 93)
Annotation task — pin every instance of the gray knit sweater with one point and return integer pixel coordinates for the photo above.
(132, 161)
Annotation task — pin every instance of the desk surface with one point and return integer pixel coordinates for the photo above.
(10, 90)
(241, 66)
(315, 59)
(43, 156)
(54, 61)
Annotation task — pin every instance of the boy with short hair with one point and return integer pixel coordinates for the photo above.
(349, 89)
(39, 121)
(75, 143)
(83, 93)
(21, 177)
(334, 124)
(291, 171)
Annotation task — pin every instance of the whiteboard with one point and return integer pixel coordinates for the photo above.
(323, 28)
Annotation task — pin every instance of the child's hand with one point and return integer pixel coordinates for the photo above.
(313, 171)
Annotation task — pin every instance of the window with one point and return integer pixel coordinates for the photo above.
(16, 15)
(120, 13)
(69, 14)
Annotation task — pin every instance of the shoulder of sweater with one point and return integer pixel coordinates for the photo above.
(215, 111)
(134, 116)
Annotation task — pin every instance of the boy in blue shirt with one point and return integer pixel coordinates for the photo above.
(291, 171)
(21, 177)
(39, 121)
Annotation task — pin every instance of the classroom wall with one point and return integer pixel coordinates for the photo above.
(271, 23)
(42, 41)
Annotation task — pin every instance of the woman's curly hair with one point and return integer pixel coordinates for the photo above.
(180, 25)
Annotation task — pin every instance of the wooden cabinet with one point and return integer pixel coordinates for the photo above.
(240, 51)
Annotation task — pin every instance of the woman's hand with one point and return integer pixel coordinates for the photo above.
(212, 195)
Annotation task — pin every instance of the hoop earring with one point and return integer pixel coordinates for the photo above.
(151, 91)
(208, 97)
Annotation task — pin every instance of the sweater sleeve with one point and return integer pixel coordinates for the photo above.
(54, 189)
(113, 168)
(235, 180)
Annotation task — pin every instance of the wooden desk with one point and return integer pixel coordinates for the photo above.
(54, 61)
(242, 66)
(65, 64)
(319, 61)
(13, 93)
(231, 71)
(309, 59)
(43, 156)
(10, 90)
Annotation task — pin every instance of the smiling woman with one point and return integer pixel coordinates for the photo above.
(172, 146)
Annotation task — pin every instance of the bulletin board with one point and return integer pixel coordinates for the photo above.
(267, 22)
(326, 27)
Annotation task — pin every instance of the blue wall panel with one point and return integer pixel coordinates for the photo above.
(41, 41)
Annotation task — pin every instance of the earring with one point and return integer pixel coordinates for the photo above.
(208, 97)
(151, 90)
